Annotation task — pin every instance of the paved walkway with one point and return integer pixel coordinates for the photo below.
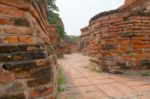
(86, 84)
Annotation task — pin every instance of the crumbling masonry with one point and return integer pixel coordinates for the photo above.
(27, 61)
(119, 39)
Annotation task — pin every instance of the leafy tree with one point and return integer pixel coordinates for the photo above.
(52, 6)
(73, 38)
(53, 18)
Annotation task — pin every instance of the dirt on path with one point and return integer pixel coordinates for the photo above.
(86, 84)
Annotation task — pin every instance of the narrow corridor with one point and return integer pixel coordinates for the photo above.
(86, 84)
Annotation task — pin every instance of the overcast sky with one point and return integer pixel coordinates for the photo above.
(77, 13)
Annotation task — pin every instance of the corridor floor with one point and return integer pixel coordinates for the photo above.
(86, 84)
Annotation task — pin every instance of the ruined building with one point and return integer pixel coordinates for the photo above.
(120, 38)
(27, 61)
(56, 41)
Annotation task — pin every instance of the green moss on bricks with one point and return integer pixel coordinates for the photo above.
(145, 62)
(21, 22)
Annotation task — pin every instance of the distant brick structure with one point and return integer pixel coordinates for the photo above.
(119, 38)
(27, 61)
(143, 5)
(56, 41)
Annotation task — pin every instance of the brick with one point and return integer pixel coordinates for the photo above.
(10, 29)
(35, 48)
(4, 20)
(109, 47)
(128, 34)
(25, 39)
(38, 92)
(112, 20)
(13, 96)
(16, 56)
(7, 10)
(24, 53)
(40, 77)
(21, 22)
(8, 48)
(11, 39)
(51, 97)
(12, 88)
(19, 66)
(118, 15)
(6, 77)
(1, 31)
(5, 57)
(42, 62)
(23, 74)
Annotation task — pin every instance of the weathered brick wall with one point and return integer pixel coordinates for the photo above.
(27, 61)
(56, 41)
(74, 47)
(143, 5)
(118, 39)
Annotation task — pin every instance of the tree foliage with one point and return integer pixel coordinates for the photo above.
(73, 38)
(52, 6)
(53, 18)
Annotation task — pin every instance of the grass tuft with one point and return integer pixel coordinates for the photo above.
(92, 67)
(62, 81)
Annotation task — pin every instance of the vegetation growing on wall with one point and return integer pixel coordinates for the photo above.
(54, 18)
(52, 6)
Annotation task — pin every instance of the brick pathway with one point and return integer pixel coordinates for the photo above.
(86, 84)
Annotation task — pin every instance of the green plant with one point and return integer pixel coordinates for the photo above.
(93, 67)
(62, 81)
(53, 18)
(146, 73)
(52, 6)
(129, 50)
(73, 38)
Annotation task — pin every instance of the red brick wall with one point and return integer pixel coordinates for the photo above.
(27, 61)
(118, 39)
(136, 5)
(56, 41)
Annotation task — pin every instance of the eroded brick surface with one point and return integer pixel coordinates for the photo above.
(27, 63)
(119, 39)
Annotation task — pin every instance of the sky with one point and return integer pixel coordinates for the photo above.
(77, 13)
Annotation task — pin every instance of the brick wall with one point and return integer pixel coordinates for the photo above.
(118, 39)
(56, 41)
(143, 5)
(27, 61)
